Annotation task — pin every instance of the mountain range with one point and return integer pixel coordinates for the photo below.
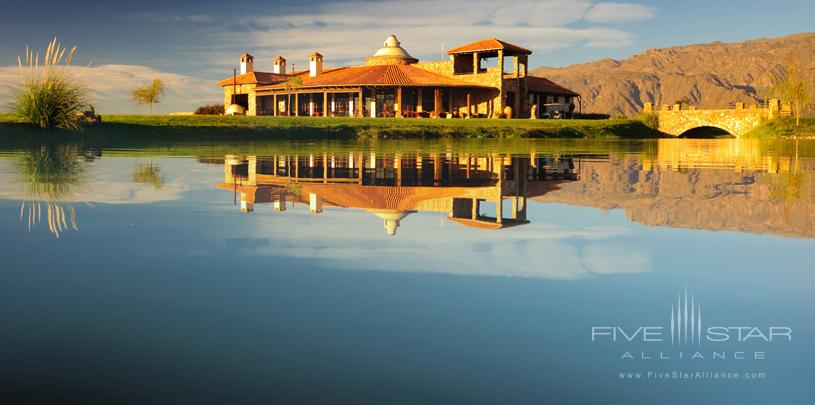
(705, 75)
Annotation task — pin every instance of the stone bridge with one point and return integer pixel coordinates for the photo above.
(678, 120)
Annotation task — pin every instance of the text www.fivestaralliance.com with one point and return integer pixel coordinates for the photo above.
(691, 375)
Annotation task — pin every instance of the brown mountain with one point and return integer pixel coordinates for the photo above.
(711, 75)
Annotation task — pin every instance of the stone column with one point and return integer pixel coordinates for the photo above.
(399, 102)
(469, 106)
(360, 102)
(419, 102)
(373, 102)
(325, 104)
(296, 105)
(475, 63)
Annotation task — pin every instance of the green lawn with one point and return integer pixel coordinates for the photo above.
(355, 128)
(784, 128)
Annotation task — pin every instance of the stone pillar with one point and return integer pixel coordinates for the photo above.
(373, 102)
(775, 108)
(398, 105)
(315, 203)
(325, 104)
(517, 70)
(475, 63)
(360, 103)
(274, 107)
(419, 102)
(296, 105)
(469, 106)
(501, 62)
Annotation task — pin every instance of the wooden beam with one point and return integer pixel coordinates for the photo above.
(436, 102)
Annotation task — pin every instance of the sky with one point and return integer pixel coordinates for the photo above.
(192, 44)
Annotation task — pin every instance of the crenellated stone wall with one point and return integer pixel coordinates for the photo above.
(677, 120)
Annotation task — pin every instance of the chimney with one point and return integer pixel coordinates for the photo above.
(315, 65)
(247, 62)
(279, 65)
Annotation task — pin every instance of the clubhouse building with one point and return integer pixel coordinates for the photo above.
(474, 83)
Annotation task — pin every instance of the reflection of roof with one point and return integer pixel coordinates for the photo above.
(544, 85)
(491, 44)
(255, 78)
(382, 75)
(490, 224)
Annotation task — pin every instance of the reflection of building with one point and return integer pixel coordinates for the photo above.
(474, 82)
(471, 190)
(738, 155)
(701, 186)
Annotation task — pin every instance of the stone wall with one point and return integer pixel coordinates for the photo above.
(675, 120)
(241, 89)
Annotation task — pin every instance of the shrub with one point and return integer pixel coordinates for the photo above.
(212, 109)
(48, 96)
(650, 120)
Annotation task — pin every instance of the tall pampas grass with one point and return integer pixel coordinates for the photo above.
(48, 96)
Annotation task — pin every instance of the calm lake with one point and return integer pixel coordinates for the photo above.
(494, 271)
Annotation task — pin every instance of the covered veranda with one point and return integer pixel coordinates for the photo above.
(377, 101)
(376, 91)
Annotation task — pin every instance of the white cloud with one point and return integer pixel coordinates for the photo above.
(604, 13)
(110, 86)
(349, 31)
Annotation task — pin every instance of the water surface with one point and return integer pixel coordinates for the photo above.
(403, 271)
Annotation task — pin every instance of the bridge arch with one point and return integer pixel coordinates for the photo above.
(707, 131)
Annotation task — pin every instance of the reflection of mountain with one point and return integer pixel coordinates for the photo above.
(393, 186)
(671, 194)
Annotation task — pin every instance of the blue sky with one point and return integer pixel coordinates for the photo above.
(192, 44)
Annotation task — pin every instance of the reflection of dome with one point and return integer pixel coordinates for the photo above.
(235, 109)
(391, 219)
(391, 54)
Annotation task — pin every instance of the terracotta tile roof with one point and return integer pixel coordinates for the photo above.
(491, 44)
(255, 78)
(544, 85)
(382, 75)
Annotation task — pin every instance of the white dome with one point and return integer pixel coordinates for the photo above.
(391, 53)
(391, 219)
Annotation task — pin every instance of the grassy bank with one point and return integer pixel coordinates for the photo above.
(351, 128)
(784, 129)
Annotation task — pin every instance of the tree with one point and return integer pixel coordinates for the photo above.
(292, 84)
(793, 87)
(149, 94)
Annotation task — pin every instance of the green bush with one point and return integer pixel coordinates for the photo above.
(213, 109)
(651, 120)
(48, 97)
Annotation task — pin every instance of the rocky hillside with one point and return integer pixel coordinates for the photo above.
(711, 75)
